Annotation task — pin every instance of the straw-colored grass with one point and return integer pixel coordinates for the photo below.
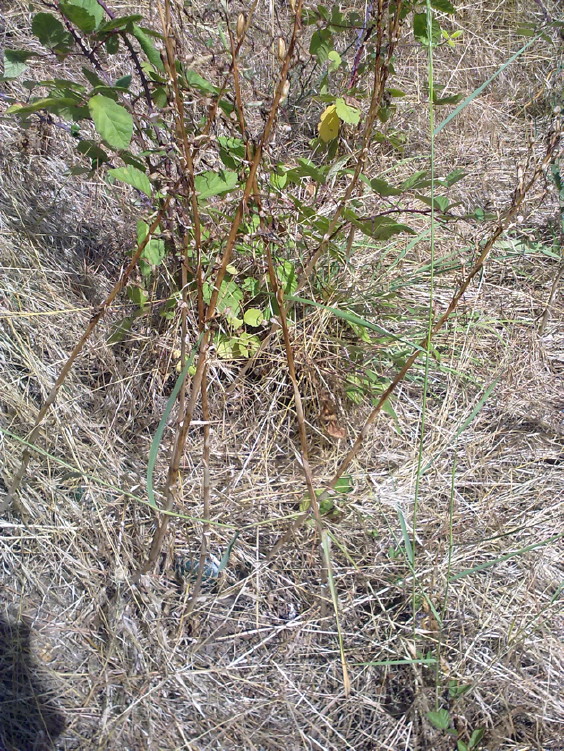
(256, 663)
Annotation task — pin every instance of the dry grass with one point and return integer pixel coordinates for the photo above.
(256, 665)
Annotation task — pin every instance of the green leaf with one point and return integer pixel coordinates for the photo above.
(214, 183)
(236, 347)
(321, 44)
(153, 55)
(93, 151)
(250, 342)
(344, 484)
(134, 161)
(453, 177)
(326, 506)
(306, 169)
(383, 188)
(456, 690)
(334, 60)
(420, 30)
(160, 97)
(439, 202)
(253, 317)
(52, 104)
(443, 5)
(138, 296)
(110, 91)
(15, 62)
(134, 177)
(524, 30)
(476, 737)
(60, 83)
(154, 252)
(51, 32)
(79, 171)
(252, 286)
(278, 179)
(70, 112)
(381, 227)
(112, 44)
(112, 121)
(231, 151)
(92, 78)
(121, 330)
(86, 14)
(417, 180)
(354, 389)
(229, 298)
(286, 275)
(439, 719)
(196, 81)
(119, 23)
(124, 82)
(453, 99)
(346, 113)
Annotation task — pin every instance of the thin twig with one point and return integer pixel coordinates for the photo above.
(51, 397)
(504, 222)
(182, 433)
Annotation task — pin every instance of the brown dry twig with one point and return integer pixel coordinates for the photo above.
(518, 197)
(173, 475)
(11, 498)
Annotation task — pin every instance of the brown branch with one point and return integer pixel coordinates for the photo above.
(518, 198)
(180, 439)
(504, 222)
(381, 71)
(51, 397)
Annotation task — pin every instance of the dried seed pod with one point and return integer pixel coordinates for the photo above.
(285, 90)
(281, 49)
(293, 5)
(241, 20)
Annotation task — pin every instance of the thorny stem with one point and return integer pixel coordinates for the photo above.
(381, 71)
(518, 198)
(503, 223)
(204, 388)
(180, 440)
(78, 39)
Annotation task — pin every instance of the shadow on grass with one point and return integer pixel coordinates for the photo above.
(29, 717)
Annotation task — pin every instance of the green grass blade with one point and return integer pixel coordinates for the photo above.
(465, 423)
(157, 438)
(346, 315)
(406, 539)
(469, 99)
(225, 560)
(326, 547)
(386, 663)
(77, 472)
(506, 557)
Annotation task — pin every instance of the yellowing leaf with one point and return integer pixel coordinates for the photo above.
(329, 124)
